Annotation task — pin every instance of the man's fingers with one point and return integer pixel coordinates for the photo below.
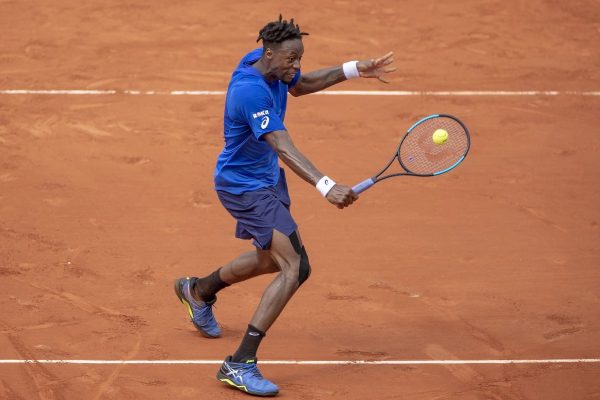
(378, 62)
(343, 197)
(387, 55)
(386, 71)
(387, 59)
(352, 197)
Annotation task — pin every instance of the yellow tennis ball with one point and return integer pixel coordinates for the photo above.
(440, 136)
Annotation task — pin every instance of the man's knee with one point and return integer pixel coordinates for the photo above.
(304, 267)
(265, 262)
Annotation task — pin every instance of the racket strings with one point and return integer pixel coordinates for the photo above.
(419, 154)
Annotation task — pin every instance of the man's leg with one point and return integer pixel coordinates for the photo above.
(287, 255)
(246, 266)
(199, 295)
(240, 370)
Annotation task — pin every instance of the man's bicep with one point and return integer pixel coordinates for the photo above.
(298, 88)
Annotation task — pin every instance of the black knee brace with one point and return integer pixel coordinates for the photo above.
(304, 267)
(304, 270)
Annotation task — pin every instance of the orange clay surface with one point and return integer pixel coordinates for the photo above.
(105, 200)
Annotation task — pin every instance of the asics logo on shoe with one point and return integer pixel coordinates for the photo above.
(232, 372)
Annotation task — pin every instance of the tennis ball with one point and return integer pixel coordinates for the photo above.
(440, 136)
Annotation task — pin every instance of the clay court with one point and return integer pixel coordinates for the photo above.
(106, 196)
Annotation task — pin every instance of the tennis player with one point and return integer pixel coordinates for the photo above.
(252, 187)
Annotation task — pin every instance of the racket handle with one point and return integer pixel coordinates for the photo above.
(364, 185)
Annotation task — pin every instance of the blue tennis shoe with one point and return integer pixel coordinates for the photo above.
(200, 312)
(246, 377)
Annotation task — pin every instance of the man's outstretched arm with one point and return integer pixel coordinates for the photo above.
(323, 78)
(339, 195)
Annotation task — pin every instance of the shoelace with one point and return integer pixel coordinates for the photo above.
(203, 314)
(252, 369)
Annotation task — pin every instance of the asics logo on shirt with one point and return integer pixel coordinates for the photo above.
(264, 122)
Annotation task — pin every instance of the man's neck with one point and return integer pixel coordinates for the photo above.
(262, 68)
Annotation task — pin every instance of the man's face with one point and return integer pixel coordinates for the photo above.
(285, 59)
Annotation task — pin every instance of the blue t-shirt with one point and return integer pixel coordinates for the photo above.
(253, 108)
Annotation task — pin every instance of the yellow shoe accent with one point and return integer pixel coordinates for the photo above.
(230, 382)
(189, 308)
(187, 305)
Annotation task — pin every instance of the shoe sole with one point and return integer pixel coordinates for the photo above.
(188, 307)
(223, 378)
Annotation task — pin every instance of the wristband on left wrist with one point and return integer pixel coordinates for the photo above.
(351, 69)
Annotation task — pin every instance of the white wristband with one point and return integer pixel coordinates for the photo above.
(325, 184)
(351, 69)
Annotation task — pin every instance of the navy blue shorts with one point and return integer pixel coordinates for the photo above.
(259, 212)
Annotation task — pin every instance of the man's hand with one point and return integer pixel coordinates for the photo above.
(341, 196)
(377, 67)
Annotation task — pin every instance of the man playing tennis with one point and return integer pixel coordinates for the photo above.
(252, 187)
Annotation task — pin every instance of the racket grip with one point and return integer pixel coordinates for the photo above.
(364, 185)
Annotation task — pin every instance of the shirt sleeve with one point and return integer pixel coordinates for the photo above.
(295, 80)
(257, 109)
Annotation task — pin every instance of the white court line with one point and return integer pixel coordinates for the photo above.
(313, 362)
(80, 92)
(453, 93)
(57, 92)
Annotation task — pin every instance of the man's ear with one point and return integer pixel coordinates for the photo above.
(269, 52)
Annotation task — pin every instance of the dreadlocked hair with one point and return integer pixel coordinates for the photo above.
(280, 31)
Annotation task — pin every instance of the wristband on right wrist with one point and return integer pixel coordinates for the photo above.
(351, 69)
(324, 185)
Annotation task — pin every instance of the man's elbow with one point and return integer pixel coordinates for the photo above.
(283, 152)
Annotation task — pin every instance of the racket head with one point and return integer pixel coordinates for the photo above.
(419, 155)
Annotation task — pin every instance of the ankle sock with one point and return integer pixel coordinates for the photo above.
(206, 288)
(247, 350)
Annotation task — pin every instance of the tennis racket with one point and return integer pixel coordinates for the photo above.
(419, 155)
